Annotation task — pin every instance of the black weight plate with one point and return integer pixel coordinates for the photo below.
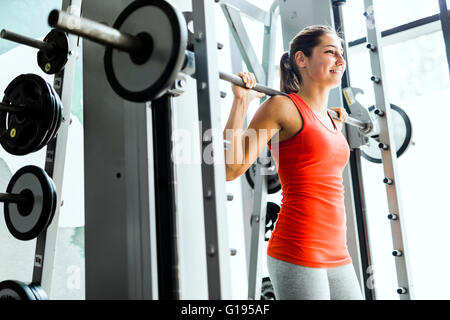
(402, 134)
(15, 290)
(54, 61)
(38, 291)
(53, 126)
(59, 108)
(53, 113)
(26, 224)
(22, 134)
(54, 202)
(168, 34)
(273, 182)
(46, 115)
(272, 211)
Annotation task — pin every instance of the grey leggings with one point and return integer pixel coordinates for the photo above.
(295, 282)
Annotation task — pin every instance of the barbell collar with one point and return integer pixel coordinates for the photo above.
(18, 38)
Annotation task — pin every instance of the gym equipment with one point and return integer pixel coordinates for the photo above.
(272, 211)
(30, 115)
(161, 55)
(267, 292)
(402, 135)
(53, 50)
(30, 202)
(18, 290)
(273, 182)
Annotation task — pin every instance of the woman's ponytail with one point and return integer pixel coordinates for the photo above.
(289, 81)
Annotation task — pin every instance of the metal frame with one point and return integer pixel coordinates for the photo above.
(213, 175)
(445, 24)
(389, 160)
(263, 74)
(120, 233)
(356, 188)
(44, 261)
(426, 24)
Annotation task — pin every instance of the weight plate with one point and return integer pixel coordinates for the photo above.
(402, 135)
(58, 115)
(38, 291)
(15, 290)
(168, 34)
(272, 211)
(51, 109)
(23, 133)
(273, 182)
(26, 222)
(54, 61)
(267, 292)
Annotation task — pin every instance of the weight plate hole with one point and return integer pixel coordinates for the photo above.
(25, 208)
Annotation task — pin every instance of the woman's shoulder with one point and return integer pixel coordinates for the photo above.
(283, 108)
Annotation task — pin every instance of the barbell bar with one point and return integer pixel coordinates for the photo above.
(53, 50)
(111, 37)
(18, 38)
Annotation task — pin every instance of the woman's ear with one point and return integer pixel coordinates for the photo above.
(300, 59)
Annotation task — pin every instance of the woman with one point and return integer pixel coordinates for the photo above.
(307, 252)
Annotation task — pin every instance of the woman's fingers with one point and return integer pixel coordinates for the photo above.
(248, 78)
(343, 115)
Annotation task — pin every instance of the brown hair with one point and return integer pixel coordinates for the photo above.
(305, 41)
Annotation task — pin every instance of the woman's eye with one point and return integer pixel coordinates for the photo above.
(330, 51)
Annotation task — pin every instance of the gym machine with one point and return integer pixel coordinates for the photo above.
(32, 117)
(145, 67)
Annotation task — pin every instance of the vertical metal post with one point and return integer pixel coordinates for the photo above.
(389, 157)
(55, 160)
(445, 23)
(166, 233)
(357, 186)
(120, 244)
(212, 156)
(260, 192)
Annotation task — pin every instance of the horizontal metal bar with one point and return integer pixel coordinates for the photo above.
(94, 31)
(17, 198)
(398, 29)
(248, 9)
(15, 37)
(272, 92)
(106, 35)
(12, 108)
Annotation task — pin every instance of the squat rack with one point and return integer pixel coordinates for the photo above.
(213, 184)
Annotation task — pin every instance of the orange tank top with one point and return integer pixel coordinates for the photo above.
(311, 226)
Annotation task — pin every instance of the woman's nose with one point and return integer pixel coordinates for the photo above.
(340, 59)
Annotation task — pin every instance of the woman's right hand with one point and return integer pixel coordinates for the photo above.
(244, 93)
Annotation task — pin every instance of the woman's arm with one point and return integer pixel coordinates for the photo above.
(245, 146)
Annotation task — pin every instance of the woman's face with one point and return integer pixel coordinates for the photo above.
(326, 64)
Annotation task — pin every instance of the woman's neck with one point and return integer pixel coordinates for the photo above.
(315, 97)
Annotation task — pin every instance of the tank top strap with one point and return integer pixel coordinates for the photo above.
(301, 105)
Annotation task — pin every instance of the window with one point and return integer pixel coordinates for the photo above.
(389, 14)
(418, 82)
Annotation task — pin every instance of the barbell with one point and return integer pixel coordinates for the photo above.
(157, 47)
(53, 49)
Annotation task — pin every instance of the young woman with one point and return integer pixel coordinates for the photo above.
(307, 252)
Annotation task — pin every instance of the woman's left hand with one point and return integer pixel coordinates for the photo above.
(343, 115)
